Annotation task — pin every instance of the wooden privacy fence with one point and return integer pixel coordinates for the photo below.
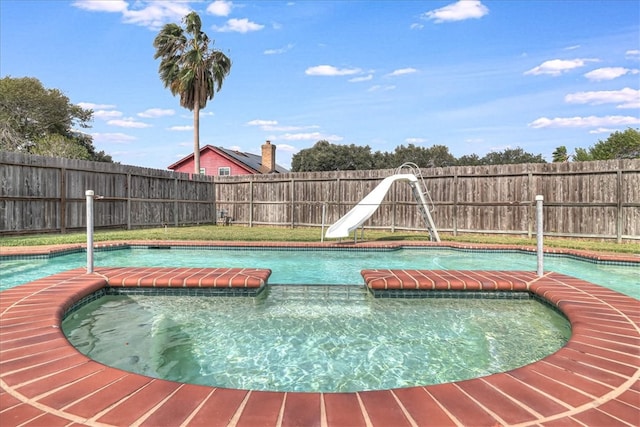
(585, 199)
(44, 194)
(582, 199)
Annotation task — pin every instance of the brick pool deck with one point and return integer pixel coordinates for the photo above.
(594, 380)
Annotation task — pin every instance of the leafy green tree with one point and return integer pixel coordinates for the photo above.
(324, 156)
(469, 160)
(97, 156)
(511, 156)
(59, 146)
(383, 160)
(435, 156)
(439, 156)
(619, 145)
(582, 155)
(192, 68)
(560, 154)
(37, 120)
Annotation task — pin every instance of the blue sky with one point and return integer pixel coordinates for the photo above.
(476, 76)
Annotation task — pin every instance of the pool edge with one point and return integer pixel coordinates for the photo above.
(594, 379)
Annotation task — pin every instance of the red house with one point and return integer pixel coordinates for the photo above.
(221, 161)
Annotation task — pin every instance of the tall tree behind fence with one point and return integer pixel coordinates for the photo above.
(43, 194)
(581, 199)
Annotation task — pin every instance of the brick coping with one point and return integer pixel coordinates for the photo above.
(593, 380)
(78, 247)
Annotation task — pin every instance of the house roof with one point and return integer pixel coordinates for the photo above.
(253, 161)
(249, 161)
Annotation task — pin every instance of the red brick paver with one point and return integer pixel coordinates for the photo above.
(593, 380)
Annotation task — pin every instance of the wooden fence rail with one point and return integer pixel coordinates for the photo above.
(581, 199)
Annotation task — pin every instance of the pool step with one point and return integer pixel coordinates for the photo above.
(316, 293)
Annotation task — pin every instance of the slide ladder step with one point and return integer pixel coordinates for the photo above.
(423, 209)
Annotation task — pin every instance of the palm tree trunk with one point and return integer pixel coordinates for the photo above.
(196, 136)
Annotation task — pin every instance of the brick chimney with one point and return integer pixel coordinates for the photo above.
(268, 157)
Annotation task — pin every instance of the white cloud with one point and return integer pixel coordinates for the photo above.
(220, 8)
(416, 140)
(287, 148)
(376, 88)
(92, 106)
(633, 54)
(361, 79)
(402, 71)
(311, 136)
(288, 128)
(106, 114)
(416, 26)
(555, 67)
(330, 70)
(278, 51)
(102, 6)
(591, 121)
(234, 25)
(153, 113)
(157, 14)
(151, 14)
(112, 137)
(458, 11)
(625, 98)
(602, 130)
(609, 73)
(272, 125)
(180, 128)
(258, 122)
(128, 122)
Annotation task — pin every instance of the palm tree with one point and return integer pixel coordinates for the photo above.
(189, 66)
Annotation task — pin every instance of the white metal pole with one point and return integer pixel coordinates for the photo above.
(324, 213)
(539, 235)
(89, 194)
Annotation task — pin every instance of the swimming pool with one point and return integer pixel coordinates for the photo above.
(329, 266)
(312, 338)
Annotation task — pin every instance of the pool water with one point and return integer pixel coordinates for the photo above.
(305, 266)
(315, 338)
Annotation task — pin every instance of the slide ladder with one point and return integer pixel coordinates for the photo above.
(421, 194)
(367, 206)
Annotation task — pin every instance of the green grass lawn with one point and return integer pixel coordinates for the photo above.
(274, 234)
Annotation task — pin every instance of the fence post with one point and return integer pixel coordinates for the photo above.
(63, 200)
(129, 204)
(530, 190)
(293, 202)
(176, 207)
(89, 195)
(619, 196)
(251, 202)
(539, 235)
(454, 209)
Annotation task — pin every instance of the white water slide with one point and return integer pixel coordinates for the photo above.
(367, 207)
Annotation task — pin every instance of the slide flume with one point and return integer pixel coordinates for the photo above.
(366, 207)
